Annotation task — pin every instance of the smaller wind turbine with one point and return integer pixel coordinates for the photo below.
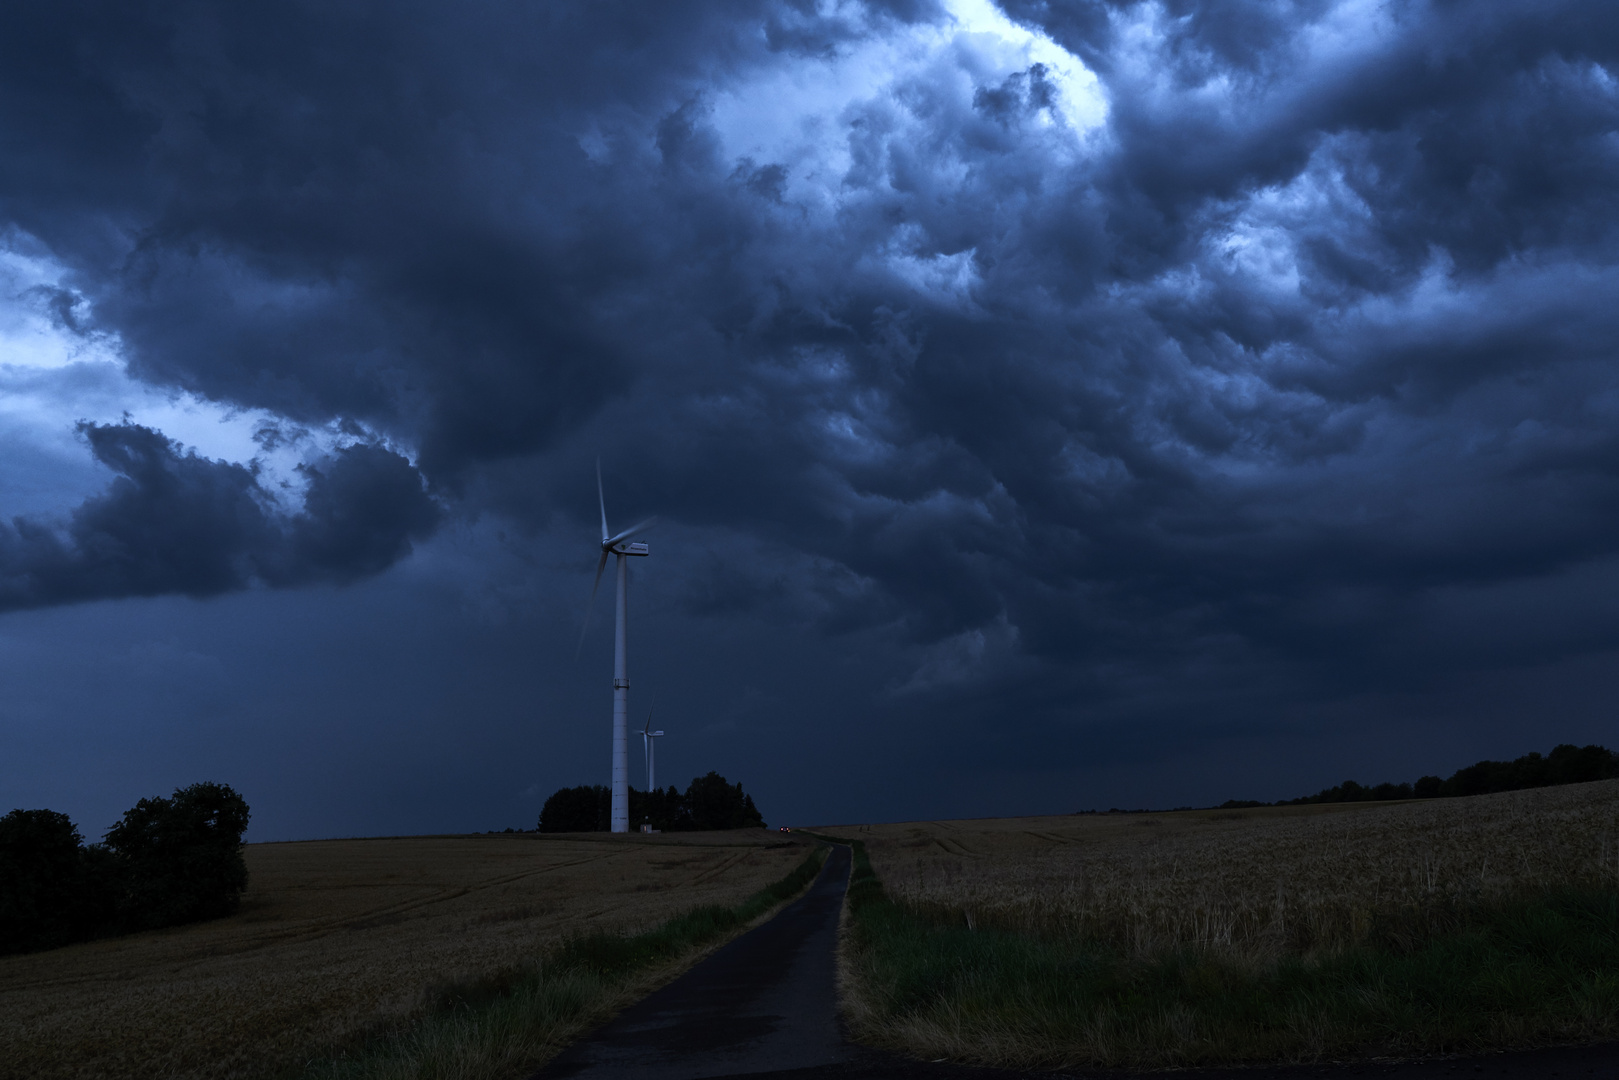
(647, 735)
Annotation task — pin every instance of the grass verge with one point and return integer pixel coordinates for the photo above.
(1531, 971)
(512, 1023)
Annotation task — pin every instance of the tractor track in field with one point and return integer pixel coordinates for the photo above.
(718, 869)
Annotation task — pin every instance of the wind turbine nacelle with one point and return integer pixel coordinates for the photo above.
(631, 549)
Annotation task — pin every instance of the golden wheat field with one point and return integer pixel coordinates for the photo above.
(336, 936)
(1303, 877)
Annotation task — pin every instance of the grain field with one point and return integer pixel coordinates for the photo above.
(336, 937)
(1297, 878)
(1219, 937)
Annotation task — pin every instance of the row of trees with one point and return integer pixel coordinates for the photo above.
(166, 862)
(709, 802)
(1566, 764)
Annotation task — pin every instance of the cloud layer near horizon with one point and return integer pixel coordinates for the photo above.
(1112, 360)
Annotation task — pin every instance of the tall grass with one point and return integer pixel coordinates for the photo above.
(972, 967)
(510, 1024)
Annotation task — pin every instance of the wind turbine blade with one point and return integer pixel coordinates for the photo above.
(602, 499)
(600, 566)
(629, 532)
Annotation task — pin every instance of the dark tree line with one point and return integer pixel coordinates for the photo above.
(1566, 764)
(709, 802)
(166, 862)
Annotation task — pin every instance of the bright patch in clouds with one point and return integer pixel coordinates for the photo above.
(1016, 47)
(53, 375)
(798, 114)
(30, 337)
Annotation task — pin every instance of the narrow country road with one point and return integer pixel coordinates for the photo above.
(765, 1005)
(766, 1002)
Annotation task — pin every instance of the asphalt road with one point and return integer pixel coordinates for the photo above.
(766, 1005)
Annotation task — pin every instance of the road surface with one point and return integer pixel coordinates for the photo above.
(766, 1002)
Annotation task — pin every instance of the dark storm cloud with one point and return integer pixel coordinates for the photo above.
(173, 522)
(364, 209)
(1299, 359)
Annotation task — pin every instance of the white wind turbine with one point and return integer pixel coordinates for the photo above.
(647, 744)
(615, 544)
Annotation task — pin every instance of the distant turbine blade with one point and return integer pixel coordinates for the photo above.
(649, 715)
(629, 532)
(602, 499)
(600, 566)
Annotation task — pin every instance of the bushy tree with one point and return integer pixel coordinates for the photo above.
(715, 804)
(180, 859)
(663, 809)
(167, 861)
(1570, 764)
(1566, 764)
(1488, 777)
(587, 808)
(41, 879)
(710, 802)
(1350, 791)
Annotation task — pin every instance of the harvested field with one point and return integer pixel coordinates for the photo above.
(338, 936)
(1264, 880)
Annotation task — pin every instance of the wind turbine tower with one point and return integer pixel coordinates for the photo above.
(618, 546)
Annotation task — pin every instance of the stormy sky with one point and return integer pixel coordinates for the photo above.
(1053, 405)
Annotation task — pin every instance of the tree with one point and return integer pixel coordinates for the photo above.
(1566, 764)
(40, 879)
(708, 803)
(1570, 764)
(715, 804)
(664, 810)
(180, 859)
(585, 808)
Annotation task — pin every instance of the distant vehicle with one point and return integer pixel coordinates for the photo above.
(784, 829)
